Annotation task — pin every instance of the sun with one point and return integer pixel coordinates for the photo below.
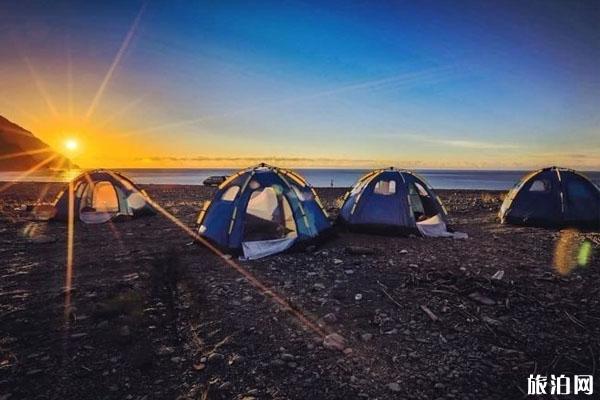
(71, 144)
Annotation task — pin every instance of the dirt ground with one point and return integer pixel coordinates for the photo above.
(152, 315)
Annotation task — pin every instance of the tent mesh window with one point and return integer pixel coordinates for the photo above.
(540, 185)
(268, 216)
(385, 188)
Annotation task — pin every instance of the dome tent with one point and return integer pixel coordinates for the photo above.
(261, 211)
(393, 201)
(100, 196)
(553, 197)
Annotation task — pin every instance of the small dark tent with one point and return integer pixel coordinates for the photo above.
(100, 196)
(553, 197)
(261, 211)
(393, 201)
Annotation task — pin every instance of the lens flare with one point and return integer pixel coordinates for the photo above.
(564, 254)
(571, 251)
(585, 253)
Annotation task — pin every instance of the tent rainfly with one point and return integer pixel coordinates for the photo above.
(261, 211)
(99, 196)
(553, 197)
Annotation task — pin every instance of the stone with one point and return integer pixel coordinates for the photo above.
(277, 362)
(366, 337)
(394, 387)
(337, 261)
(331, 317)
(478, 297)
(334, 341)
(498, 275)
(165, 351)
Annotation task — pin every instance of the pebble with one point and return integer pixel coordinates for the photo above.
(199, 366)
(165, 350)
(277, 362)
(78, 335)
(337, 261)
(334, 341)
(394, 387)
(403, 251)
(331, 317)
(366, 337)
(478, 297)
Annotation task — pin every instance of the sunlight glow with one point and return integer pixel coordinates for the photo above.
(71, 144)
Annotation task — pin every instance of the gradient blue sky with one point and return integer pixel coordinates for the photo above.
(439, 84)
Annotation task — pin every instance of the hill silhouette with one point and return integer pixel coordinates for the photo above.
(21, 150)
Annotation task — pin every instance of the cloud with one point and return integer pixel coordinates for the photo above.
(460, 143)
(425, 76)
(242, 160)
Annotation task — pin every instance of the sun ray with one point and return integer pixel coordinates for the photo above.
(33, 118)
(123, 110)
(69, 84)
(28, 172)
(40, 87)
(25, 153)
(70, 244)
(250, 278)
(46, 186)
(115, 63)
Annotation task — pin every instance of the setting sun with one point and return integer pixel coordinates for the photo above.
(71, 144)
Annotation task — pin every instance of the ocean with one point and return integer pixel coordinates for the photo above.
(439, 179)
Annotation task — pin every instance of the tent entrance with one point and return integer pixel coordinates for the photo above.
(422, 203)
(268, 216)
(105, 198)
(99, 202)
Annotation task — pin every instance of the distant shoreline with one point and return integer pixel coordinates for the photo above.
(500, 180)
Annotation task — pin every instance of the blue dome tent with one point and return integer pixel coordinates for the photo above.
(393, 201)
(261, 211)
(553, 197)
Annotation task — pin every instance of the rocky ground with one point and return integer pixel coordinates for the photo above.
(151, 315)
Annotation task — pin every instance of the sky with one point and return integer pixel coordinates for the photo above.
(428, 84)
